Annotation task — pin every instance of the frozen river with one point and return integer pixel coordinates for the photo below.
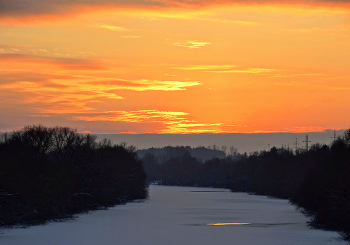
(181, 216)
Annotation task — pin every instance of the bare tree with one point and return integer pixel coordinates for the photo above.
(233, 151)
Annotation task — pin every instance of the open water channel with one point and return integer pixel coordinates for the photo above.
(181, 216)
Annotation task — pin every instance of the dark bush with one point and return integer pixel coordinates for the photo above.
(52, 173)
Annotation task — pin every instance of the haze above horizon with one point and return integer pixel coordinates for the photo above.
(243, 142)
(175, 67)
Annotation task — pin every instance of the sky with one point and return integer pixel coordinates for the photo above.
(175, 66)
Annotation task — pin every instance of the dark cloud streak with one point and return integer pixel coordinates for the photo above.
(25, 8)
(41, 78)
(67, 63)
(56, 7)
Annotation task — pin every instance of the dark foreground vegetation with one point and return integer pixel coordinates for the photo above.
(317, 181)
(53, 173)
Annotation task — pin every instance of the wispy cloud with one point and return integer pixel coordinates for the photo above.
(172, 121)
(68, 93)
(67, 63)
(140, 116)
(250, 70)
(143, 85)
(204, 67)
(111, 27)
(224, 69)
(54, 97)
(192, 127)
(132, 37)
(239, 22)
(192, 44)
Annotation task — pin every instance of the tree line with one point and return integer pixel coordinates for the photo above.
(52, 173)
(317, 181)
(201, 153)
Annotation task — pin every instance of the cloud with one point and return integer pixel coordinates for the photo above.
(140, 116)
(144, 85)
(192, 44)
(10, 77)
(58, 92)
(63, 104)
(67, 63)
(204, 67)
(46, 96)
(111, 27)
(250, 70)
(23, 8)
(240, 22)
(173, 122)
(224, 69)
(47, 105)
(130, 36)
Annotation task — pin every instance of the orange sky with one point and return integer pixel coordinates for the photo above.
(114, 66)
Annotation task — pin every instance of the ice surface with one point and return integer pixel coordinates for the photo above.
(179, 215)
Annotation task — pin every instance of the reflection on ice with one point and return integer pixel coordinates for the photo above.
(229, 223)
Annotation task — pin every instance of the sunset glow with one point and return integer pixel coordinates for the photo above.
(164, 66)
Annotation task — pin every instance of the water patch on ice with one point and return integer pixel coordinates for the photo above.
(210, 191)
(262, 225)
(235, 223)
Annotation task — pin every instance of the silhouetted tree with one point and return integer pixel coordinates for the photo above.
(51, 173)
